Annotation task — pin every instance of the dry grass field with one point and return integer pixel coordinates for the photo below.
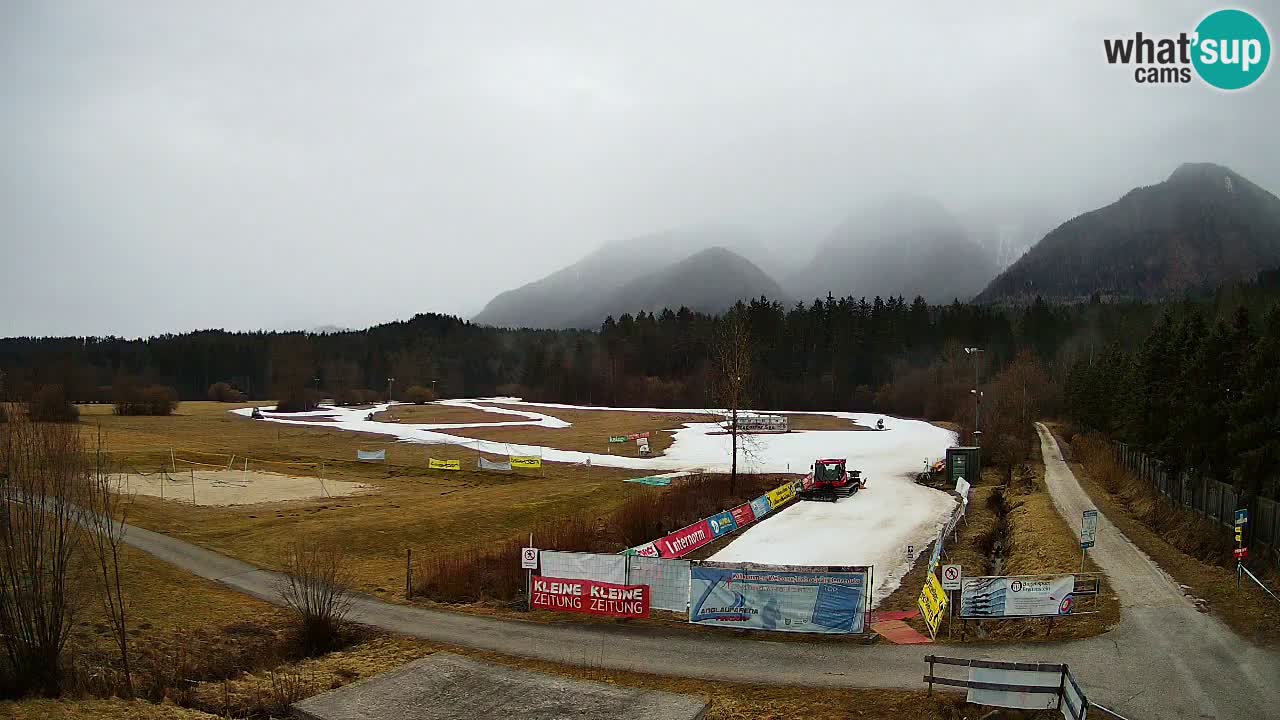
(408, 506)
(434, 413)
(590, 429)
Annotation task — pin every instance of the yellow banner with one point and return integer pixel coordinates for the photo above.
(781, 495)
(933, 599)
(435, 464)
(526, 461)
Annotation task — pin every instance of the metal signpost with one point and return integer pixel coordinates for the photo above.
(951, 576)
(1088, 533)
(529, 563)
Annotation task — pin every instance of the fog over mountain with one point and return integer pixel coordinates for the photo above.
(170, 166)
(1203, 226)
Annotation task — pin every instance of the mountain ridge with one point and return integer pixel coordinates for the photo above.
(1202, 226)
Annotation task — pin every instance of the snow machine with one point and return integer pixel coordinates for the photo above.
(880, 424)
(256, 414)
(829, 481)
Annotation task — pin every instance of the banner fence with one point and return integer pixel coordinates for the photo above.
(782, 598)
(601, 567)
(668, 581)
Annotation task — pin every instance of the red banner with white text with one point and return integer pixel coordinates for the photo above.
(590, 597)
(685, 540)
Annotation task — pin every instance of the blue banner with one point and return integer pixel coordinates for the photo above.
(823, 600)
(760, 506)
(722, 524)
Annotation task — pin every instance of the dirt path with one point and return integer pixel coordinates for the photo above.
(1165, 660)
(1207, 670)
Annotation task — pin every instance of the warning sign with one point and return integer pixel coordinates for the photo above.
(933, 599)
(950, 577)
(529, 558)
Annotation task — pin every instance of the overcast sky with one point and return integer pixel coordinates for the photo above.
(169, 166)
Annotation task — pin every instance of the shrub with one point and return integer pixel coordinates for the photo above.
(131, 399)
(317, 588)
(224, 392)
(356, 396)
(41, 581)
(298, 400)
(49, 404)
(419, 395)
(4, 412)
(488, 571)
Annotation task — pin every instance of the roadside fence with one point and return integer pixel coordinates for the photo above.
(1212, 499)
(1025, 686)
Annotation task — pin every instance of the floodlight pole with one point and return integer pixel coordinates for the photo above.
(977, 394)
(389, 381)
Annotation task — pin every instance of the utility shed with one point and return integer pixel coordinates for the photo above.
(450, 687)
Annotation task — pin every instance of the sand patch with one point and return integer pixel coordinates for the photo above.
(234, 487)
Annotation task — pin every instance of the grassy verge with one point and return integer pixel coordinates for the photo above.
(173, 605)
(410, 506)
(1193, 551)
(1012, 529)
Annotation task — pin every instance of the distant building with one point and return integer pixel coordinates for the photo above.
(749, 422)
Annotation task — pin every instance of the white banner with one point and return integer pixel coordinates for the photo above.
(609, 568)
(371, 455)
(1009, 597)
(668, 581)
(487, 465)
(1015, 698)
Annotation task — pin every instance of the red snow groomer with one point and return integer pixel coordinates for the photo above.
(829, 481)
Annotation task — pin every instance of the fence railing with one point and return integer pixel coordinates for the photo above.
(1212, 499)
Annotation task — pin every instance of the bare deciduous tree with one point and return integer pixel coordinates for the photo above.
(317, 587)
(42, 466)
(105, 516)
(732, 368)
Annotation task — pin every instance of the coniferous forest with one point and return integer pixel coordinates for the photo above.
(1195, 383)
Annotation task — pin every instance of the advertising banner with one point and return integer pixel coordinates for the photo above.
(371, 455)
(817, 600)
(781, 495)
(435, 464)
(651, 481)
(617, 438)
(648, 550)
(1011, 597)
(932, 600)
(722, 524)
(526, 461)
(638, 436)
(761, 507)
(685, 540)
(743, 515)
(611, 567)
(590, 597)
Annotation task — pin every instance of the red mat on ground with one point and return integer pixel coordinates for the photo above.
(899, 633)
(881, 615)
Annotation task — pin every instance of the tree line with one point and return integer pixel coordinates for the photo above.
(1173, 378)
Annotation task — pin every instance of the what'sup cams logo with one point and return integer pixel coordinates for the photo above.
(1229, 50)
